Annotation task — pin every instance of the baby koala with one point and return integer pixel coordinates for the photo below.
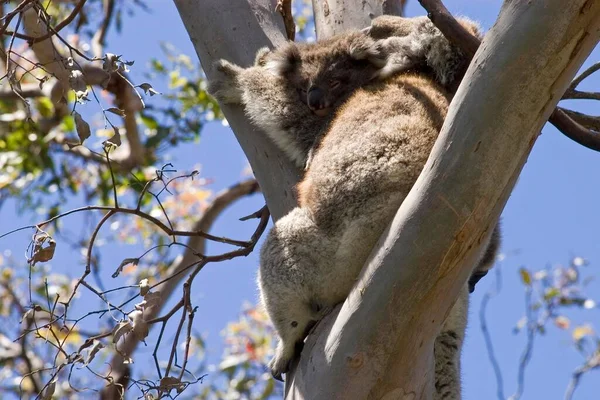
(368, 106)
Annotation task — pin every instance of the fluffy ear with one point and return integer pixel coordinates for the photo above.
(362, 47)
(401, 54)
(284, 60)
(261, 57)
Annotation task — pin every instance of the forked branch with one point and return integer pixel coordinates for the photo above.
(563, 121)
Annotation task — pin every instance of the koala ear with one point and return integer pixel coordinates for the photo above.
(261, 57)
(284, 59)
(362, 47)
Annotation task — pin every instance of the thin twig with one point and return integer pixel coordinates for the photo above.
(584, 75)
(532, 326)
(52, 31)
(489, 345)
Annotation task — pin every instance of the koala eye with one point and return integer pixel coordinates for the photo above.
(334, 83)
(302, 94)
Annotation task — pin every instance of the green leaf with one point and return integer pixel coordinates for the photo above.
(551, 293)
(525, 276)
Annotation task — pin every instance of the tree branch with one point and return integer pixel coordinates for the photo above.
(235, 30)
(574, 130)
(380, 342)
(100, 36)
(333, 17)
(458, 35)
(284, 7)
(40, 37)
(195, 245)
(126, 98)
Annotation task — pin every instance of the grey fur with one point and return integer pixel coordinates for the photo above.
(274, 90)
(365, 155)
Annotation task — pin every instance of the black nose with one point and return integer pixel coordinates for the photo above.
(316, 98)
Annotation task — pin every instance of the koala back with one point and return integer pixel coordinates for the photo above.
(376, 146)
(367, 163)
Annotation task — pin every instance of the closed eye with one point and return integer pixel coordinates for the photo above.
(302, 93)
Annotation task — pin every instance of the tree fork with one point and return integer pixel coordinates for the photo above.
(379, 343)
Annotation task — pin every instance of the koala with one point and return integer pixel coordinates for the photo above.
(366, 108)
(291, 92)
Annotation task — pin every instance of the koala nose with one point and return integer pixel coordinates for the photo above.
(316, 98)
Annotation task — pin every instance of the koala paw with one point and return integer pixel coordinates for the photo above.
(280, 364)
(224, 85)
(386, 25)
(403, 53)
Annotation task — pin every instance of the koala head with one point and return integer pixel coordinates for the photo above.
(324, 74)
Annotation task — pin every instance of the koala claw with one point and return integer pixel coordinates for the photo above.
(279, 365)
(277, 376)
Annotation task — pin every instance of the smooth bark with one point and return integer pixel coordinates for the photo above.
(380, 343)
(333, 17)
(235, 30)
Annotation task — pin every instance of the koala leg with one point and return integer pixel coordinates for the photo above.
(293, 259)
(447, 350)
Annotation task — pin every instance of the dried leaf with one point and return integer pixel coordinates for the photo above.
(115, 140)
(13, 81)
(82, 127)
(124, 263)
(144, 287)
(93, 351)
(79, 85)
(152, 299)
(562, 322)
(43, 80)
(41, 253)
(582, 331)
(110, 63)
(49, 391)
(116, 111)
(169, 382)
(121, 330)
(525, 276)
(140, 326)
(148, 89)
(28, 315)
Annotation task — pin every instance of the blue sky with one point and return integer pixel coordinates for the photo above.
(550, 217)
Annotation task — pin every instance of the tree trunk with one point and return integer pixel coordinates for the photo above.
(379, 343)
(336, 16)
(235, 30)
